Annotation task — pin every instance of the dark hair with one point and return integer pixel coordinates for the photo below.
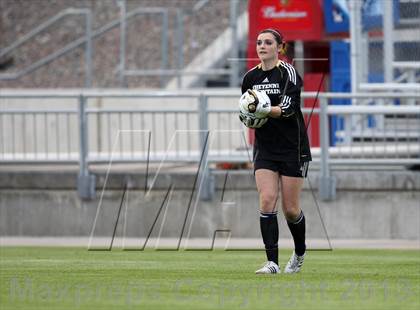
(277, 35)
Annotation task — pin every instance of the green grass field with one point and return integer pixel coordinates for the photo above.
(72, 278)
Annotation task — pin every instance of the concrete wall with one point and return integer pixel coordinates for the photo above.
(369, 204)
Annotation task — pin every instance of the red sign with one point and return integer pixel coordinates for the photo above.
(295, 19)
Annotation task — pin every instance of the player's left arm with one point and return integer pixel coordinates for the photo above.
(289, 100)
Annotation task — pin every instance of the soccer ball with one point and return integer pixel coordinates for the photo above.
(249, 103)
(251, 99)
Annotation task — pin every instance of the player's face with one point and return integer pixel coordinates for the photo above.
(267, 47)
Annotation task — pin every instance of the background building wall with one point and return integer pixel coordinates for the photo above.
(369, 205)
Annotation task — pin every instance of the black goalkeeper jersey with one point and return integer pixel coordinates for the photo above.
(283, 138)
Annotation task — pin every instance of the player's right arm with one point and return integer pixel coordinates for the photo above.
(245, 83)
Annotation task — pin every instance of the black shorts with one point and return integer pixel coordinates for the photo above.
(290, 169)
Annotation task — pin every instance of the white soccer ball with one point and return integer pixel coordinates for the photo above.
(251, 99)
(250, 102)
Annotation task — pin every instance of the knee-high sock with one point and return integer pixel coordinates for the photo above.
(270, 234)
(297, 228)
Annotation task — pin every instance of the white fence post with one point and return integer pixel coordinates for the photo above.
(327, 186)
(86, 182)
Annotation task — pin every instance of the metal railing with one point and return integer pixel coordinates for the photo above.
(124, 70)
(197, 67)
(99, 126)
(87, 39)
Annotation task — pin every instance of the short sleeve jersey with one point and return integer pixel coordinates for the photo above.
(283, 138)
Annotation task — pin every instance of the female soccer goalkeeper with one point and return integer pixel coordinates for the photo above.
(281, 149)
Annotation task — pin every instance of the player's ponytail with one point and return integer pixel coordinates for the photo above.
(283, 48)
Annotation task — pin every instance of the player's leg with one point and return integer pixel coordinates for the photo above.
(290, 197)
(268, 187)
(291, 188)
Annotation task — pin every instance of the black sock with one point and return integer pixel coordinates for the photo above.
(297, 228)
(270, 234)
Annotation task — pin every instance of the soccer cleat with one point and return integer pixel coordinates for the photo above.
(269, 267)
(294, 264)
